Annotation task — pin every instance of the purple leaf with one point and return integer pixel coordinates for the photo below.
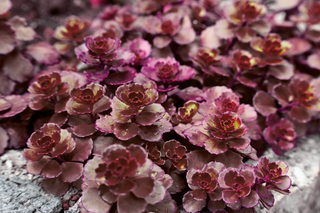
(82, 150)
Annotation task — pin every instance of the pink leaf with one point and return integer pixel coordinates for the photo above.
(7, 38)
(299, 46)
(17, 67)
(22, 31)
(92, 202)
(44, 53)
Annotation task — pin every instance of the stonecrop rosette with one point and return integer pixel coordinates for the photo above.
(167, 71)
(91, 99)
(45, 90)
(134, 112)
(124, 175)
(204, 184)
(98, 50)
(237, 190)
(49, 140)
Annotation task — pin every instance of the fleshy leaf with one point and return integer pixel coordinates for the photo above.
(7, 38)
(44, 53)
(264, 103)
(22, 31)
(130, 203)
(55, 187)
(82, 150)
(150, 114)
(190, 204)
(92, 202)
(126, 131)
(52, 169)
(4, 141)
(17, 67)
(70, 171)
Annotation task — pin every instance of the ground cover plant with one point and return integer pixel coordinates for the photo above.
(156, 105)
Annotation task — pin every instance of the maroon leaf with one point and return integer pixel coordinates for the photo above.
(122, 76)
(215, 146)
(123, 187)
(36, 166)
(44, 53)
(92, 202)
(17, 67)
(150, 114)
(4, 140)
(144, 186)
(190, 204)
(213, 206)
(300, 114)
(59, 118)
(82, 150)
(251, 200)
(70, 171)
(264, 103)
(7, 38)
(55, 187)
(102, 105)
(154, 132)
(84, 130)
(158, 193)
(30, 154)
(126, 131)
(130, 203)
(105, 124)
(51, 169)
(283, 71)
(197, 159)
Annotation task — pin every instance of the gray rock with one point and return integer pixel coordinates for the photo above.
(22, 196)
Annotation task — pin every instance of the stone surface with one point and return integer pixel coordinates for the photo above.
(21, 192)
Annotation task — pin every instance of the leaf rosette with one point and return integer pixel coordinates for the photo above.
(124, 175)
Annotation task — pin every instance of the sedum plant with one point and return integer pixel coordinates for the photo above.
(156, 106)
